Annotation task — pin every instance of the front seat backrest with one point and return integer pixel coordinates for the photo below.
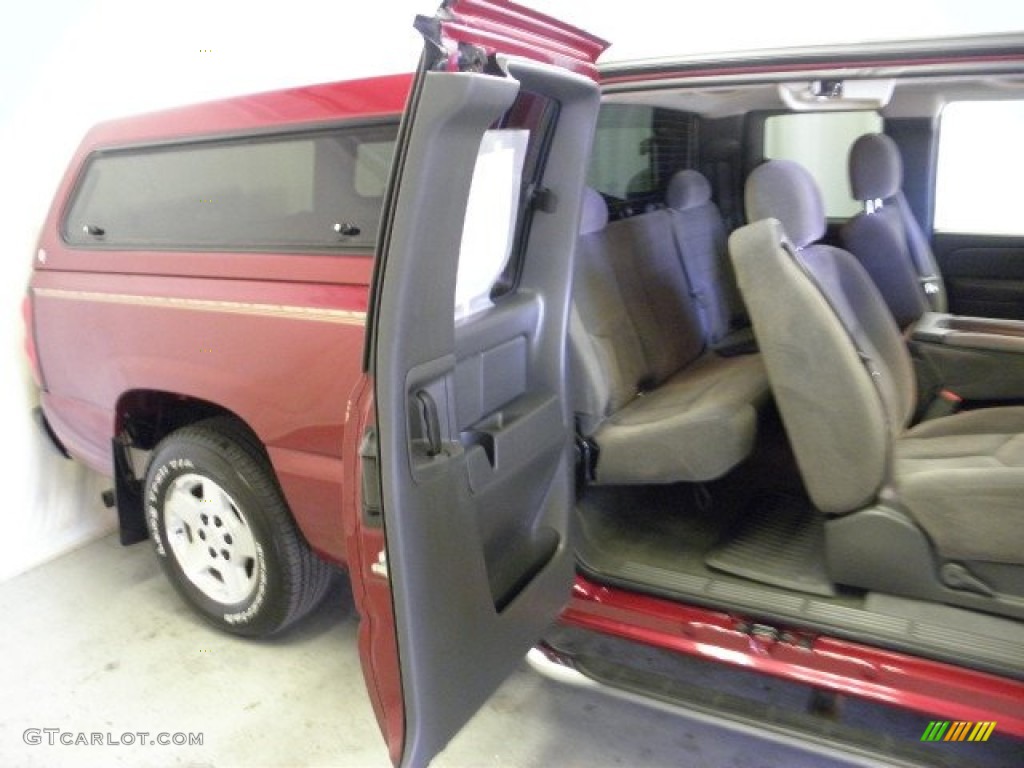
(886, 237)
(836, 361)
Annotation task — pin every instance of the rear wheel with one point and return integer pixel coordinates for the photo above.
(224, 534)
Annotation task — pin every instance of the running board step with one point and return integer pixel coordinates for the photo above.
(807, 731)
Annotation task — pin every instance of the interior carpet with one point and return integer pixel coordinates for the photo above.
(778, 540)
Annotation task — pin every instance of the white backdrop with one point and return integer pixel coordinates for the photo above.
(66, 64)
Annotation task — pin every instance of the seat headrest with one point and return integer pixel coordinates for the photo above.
(876, 168)
(785, 190)
(687, 189)
(595, 212)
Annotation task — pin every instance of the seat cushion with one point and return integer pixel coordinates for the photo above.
(694, 427)
(962, 478)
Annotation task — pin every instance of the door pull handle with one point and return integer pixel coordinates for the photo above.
(429, 422)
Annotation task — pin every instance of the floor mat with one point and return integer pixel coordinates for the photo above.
(779, 540)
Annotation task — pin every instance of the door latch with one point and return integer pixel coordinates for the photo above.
(380, 568)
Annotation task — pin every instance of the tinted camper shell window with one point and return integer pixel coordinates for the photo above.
(319, 191)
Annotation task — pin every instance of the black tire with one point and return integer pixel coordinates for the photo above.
(223, 532)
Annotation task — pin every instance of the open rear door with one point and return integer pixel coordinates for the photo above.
(467, 356)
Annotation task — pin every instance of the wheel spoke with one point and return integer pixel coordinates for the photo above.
(182, 505)
(229, 514)
(236, 583)
(192, 557)
(244, 547)
(219, 503)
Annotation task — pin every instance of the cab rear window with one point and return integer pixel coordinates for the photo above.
(637, 149)
(307, 191)
(821, 141)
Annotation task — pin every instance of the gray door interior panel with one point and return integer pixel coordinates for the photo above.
(984, 274)
(475, 428)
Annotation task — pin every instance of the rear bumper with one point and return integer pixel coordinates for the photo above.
(51, 437)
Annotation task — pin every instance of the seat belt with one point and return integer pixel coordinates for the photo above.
(931, 283)
(699, 296)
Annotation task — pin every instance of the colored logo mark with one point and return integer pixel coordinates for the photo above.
(944, 730)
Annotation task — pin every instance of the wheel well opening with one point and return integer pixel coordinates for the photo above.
(147, 416)
(143, 419)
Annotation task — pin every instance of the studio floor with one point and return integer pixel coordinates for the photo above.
(97, 641)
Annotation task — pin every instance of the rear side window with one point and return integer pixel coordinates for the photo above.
(507, 174)
(637, 149)
(308, 191)
(981, 164)
(821, 141)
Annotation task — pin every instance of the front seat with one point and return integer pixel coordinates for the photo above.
(886, 237)
(935, 511)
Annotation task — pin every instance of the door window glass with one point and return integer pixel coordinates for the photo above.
(491, 212)
(980, 167)
(506, 189)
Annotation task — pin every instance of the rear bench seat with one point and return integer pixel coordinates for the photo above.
(660, 406)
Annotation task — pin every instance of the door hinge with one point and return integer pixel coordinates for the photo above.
(370, 478)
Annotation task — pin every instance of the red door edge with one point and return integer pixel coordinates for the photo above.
(498, 26)
(934, 688)
(371, 592)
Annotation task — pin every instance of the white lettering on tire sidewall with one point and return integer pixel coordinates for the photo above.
(153, 494)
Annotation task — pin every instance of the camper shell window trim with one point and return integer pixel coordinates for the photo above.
(263, 134)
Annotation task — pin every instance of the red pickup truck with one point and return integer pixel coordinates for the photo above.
(476, 336)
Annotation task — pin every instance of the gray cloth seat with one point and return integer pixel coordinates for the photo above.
(701, 240)
(660, 407)
(963, 478)
(886, 237)
(695, 426)
(844, 384)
